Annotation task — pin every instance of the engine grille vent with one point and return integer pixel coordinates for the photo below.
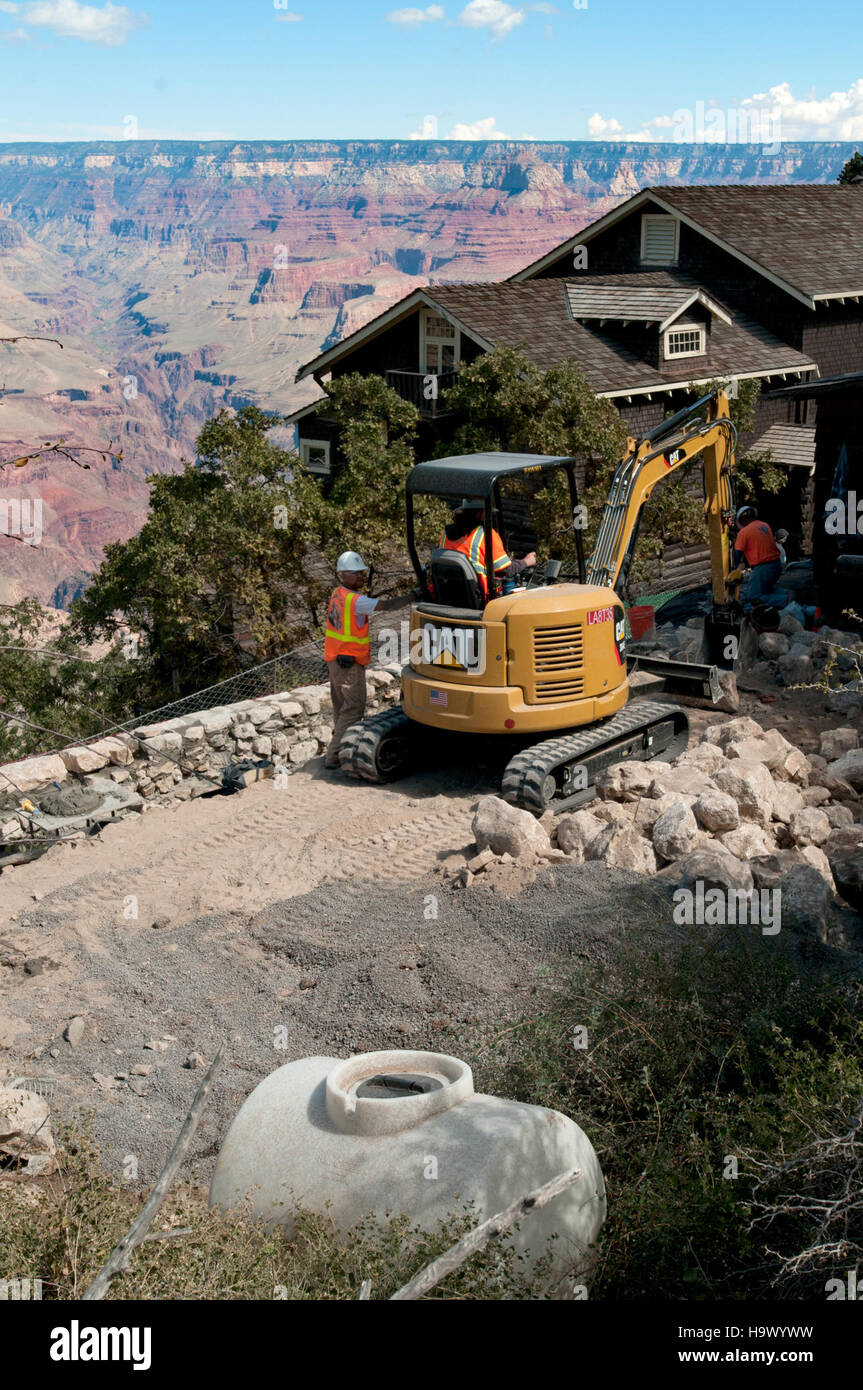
(558, 649)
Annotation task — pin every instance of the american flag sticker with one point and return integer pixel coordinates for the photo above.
(438, 697)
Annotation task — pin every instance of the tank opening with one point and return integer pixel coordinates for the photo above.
(397, 1087)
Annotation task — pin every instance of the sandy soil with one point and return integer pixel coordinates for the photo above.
(295, 921)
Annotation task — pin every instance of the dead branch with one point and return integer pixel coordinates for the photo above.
(480, 1237)
(118, 1261)
(31, 338)
(60, 449)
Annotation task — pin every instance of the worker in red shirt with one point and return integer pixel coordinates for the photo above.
(466, 533)
(756, 547)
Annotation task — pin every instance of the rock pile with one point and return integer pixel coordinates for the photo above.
(791, 656)
(743, 809)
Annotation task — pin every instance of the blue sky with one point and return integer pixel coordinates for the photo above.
(361, 69)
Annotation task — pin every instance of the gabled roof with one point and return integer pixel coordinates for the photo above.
(805, 238)
(536, 318)
(386, 320)
(634, 302)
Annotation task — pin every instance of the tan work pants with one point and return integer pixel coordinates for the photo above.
(348, 691)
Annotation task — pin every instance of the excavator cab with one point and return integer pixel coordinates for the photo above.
(449, 580)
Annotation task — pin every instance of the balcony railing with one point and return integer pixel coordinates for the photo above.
(425, 390)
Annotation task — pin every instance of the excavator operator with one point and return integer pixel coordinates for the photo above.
(466, 533)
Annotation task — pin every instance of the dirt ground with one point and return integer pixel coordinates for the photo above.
(297, 921)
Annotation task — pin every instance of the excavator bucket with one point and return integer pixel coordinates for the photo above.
(700, 682)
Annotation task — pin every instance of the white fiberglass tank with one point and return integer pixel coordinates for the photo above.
(404, 1133)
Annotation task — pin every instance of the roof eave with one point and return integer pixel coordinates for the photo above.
(662, 388)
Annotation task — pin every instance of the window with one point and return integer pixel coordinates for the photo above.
(660, 236)
(315, 454)
(684, 342)
(439, 344)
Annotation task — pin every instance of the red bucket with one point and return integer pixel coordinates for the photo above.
(642, 618)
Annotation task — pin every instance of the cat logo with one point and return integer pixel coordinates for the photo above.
(459, 648)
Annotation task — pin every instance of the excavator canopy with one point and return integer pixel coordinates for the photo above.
(475, 475)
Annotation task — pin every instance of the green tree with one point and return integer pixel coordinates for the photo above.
(503, 401)
(366, 507)
(51, 682)
(852, 169)
(231, 547)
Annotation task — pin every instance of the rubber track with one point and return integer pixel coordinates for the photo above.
(525, 774)
(358, 749)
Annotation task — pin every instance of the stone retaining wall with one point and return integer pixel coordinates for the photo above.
(289, 728)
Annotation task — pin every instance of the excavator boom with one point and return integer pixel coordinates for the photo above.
(677, 441)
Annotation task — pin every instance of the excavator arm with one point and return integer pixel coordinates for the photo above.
(677, 441)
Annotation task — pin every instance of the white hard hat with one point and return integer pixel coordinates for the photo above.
(349, 562)
(742, 511)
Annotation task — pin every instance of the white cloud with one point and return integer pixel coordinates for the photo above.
(479, 130)
(109, 24)
(289, 18)
(412, 16)
(598, 126)
(499, 18)
(765, 117)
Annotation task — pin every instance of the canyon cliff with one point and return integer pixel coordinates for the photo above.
(183, 277)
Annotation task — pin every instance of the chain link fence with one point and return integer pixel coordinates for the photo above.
(302, 666)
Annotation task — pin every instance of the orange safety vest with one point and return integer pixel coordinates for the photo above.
(344, 636)
(473, 546)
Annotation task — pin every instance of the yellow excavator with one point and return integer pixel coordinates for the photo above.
(542, 669)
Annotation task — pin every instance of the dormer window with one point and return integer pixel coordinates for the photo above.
(660, 238)
(684, 342)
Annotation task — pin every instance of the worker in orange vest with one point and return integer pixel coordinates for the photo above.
(466, 533)
(348, 646)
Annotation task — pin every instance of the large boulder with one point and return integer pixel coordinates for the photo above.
(747, 841)
(26, 1140)
(850, 768)
(507, 829)
(621, 848)
(716, 810)
(751, 786)
(786, 800)
(805, 899)
(839, 789)
(835, 742)
(704, 757)
(83, 759)
(674, 831)
(575, 830)
(714, 867)
(648, 811)
(683, 779)
(810, 827)
(811, 854)
(732, 731)
(769, 748)
(617, 812)
(769, 869)
(32, 773)
(847, 867)
(628, 781)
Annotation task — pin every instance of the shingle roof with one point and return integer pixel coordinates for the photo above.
(809, 235)
(591, 300)
(534, 316)
(791, 444)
